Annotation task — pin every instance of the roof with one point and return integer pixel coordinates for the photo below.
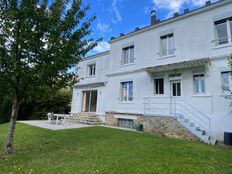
(90, 85)
(173, 19)
(95, 55)
(178, 65)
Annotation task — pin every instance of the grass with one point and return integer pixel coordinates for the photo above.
(104, 150)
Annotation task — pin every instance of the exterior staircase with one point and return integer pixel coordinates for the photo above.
(195, 129)
(187, 115)
(86, 118)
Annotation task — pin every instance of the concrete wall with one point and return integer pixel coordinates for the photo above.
(102, 68)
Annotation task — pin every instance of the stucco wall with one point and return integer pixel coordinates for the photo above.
(193, 40)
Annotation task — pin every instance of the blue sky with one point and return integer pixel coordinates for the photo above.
(122, 16)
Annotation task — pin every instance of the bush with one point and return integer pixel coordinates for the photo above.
(37, 107)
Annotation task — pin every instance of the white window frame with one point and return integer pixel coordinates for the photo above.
(199, 84)
(169, 51)
(90, 66)
(128, 97)
(230, 82)
(229, 32)
(159, 93)
(131, 59)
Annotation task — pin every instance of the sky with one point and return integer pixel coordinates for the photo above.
(123, 16)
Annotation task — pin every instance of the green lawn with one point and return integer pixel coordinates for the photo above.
(105, 150)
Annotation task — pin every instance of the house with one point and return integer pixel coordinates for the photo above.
(171, 72)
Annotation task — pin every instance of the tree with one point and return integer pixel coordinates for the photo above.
(40, 41)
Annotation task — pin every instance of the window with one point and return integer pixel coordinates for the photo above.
(125, 123)
(223, 29)
(226, 81)
(199, 83)
(127, 91)
(128, 55)
(92, 70)
(159, 86)
(167, 45)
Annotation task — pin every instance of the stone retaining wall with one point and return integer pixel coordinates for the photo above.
(167, 126)
(112, 121)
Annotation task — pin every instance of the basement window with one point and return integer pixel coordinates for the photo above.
(126, 123)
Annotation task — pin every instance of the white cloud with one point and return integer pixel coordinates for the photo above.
(101, 47)
(103, 27)
(116, 11)
(175, 5)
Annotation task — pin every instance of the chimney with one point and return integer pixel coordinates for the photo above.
(137, 29)
(176, 14)
(207, 3)
(153, 17)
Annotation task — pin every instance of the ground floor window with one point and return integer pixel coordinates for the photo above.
(226, 81)
(127, 91)
(199, 83)
(159, 86)
(125, 123)
(89, 101)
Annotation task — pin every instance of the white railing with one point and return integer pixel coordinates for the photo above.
(176, 106)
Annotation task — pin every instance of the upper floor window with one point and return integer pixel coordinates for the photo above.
(199, 83)
(92, 69)
(127, 91)
(223, 29)
(167, 46)
(226, 81)
(128, 55)
(159, 86)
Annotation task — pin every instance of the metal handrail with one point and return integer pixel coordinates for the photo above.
(194, 114)
(185, 109)
(194, 108)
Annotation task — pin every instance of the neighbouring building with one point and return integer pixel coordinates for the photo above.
(171, 71)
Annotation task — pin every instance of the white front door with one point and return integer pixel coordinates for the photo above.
(175, 90)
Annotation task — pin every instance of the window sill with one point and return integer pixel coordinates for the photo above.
(167, 56)
(225, 95)
(128, 64)
(222, 46)
(159, 95)
(126, 102)
(201, 95)
(88, 77)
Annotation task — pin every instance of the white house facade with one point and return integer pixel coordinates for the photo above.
(173, 68)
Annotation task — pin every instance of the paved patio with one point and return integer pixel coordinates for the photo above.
(46, 125)
(69, 125)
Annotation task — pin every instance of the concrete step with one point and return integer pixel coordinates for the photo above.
(196, 130)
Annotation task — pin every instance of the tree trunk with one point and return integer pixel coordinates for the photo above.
(11, 130)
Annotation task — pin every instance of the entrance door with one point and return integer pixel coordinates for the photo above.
(175, 88)
(89, 101)
(175, 94)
